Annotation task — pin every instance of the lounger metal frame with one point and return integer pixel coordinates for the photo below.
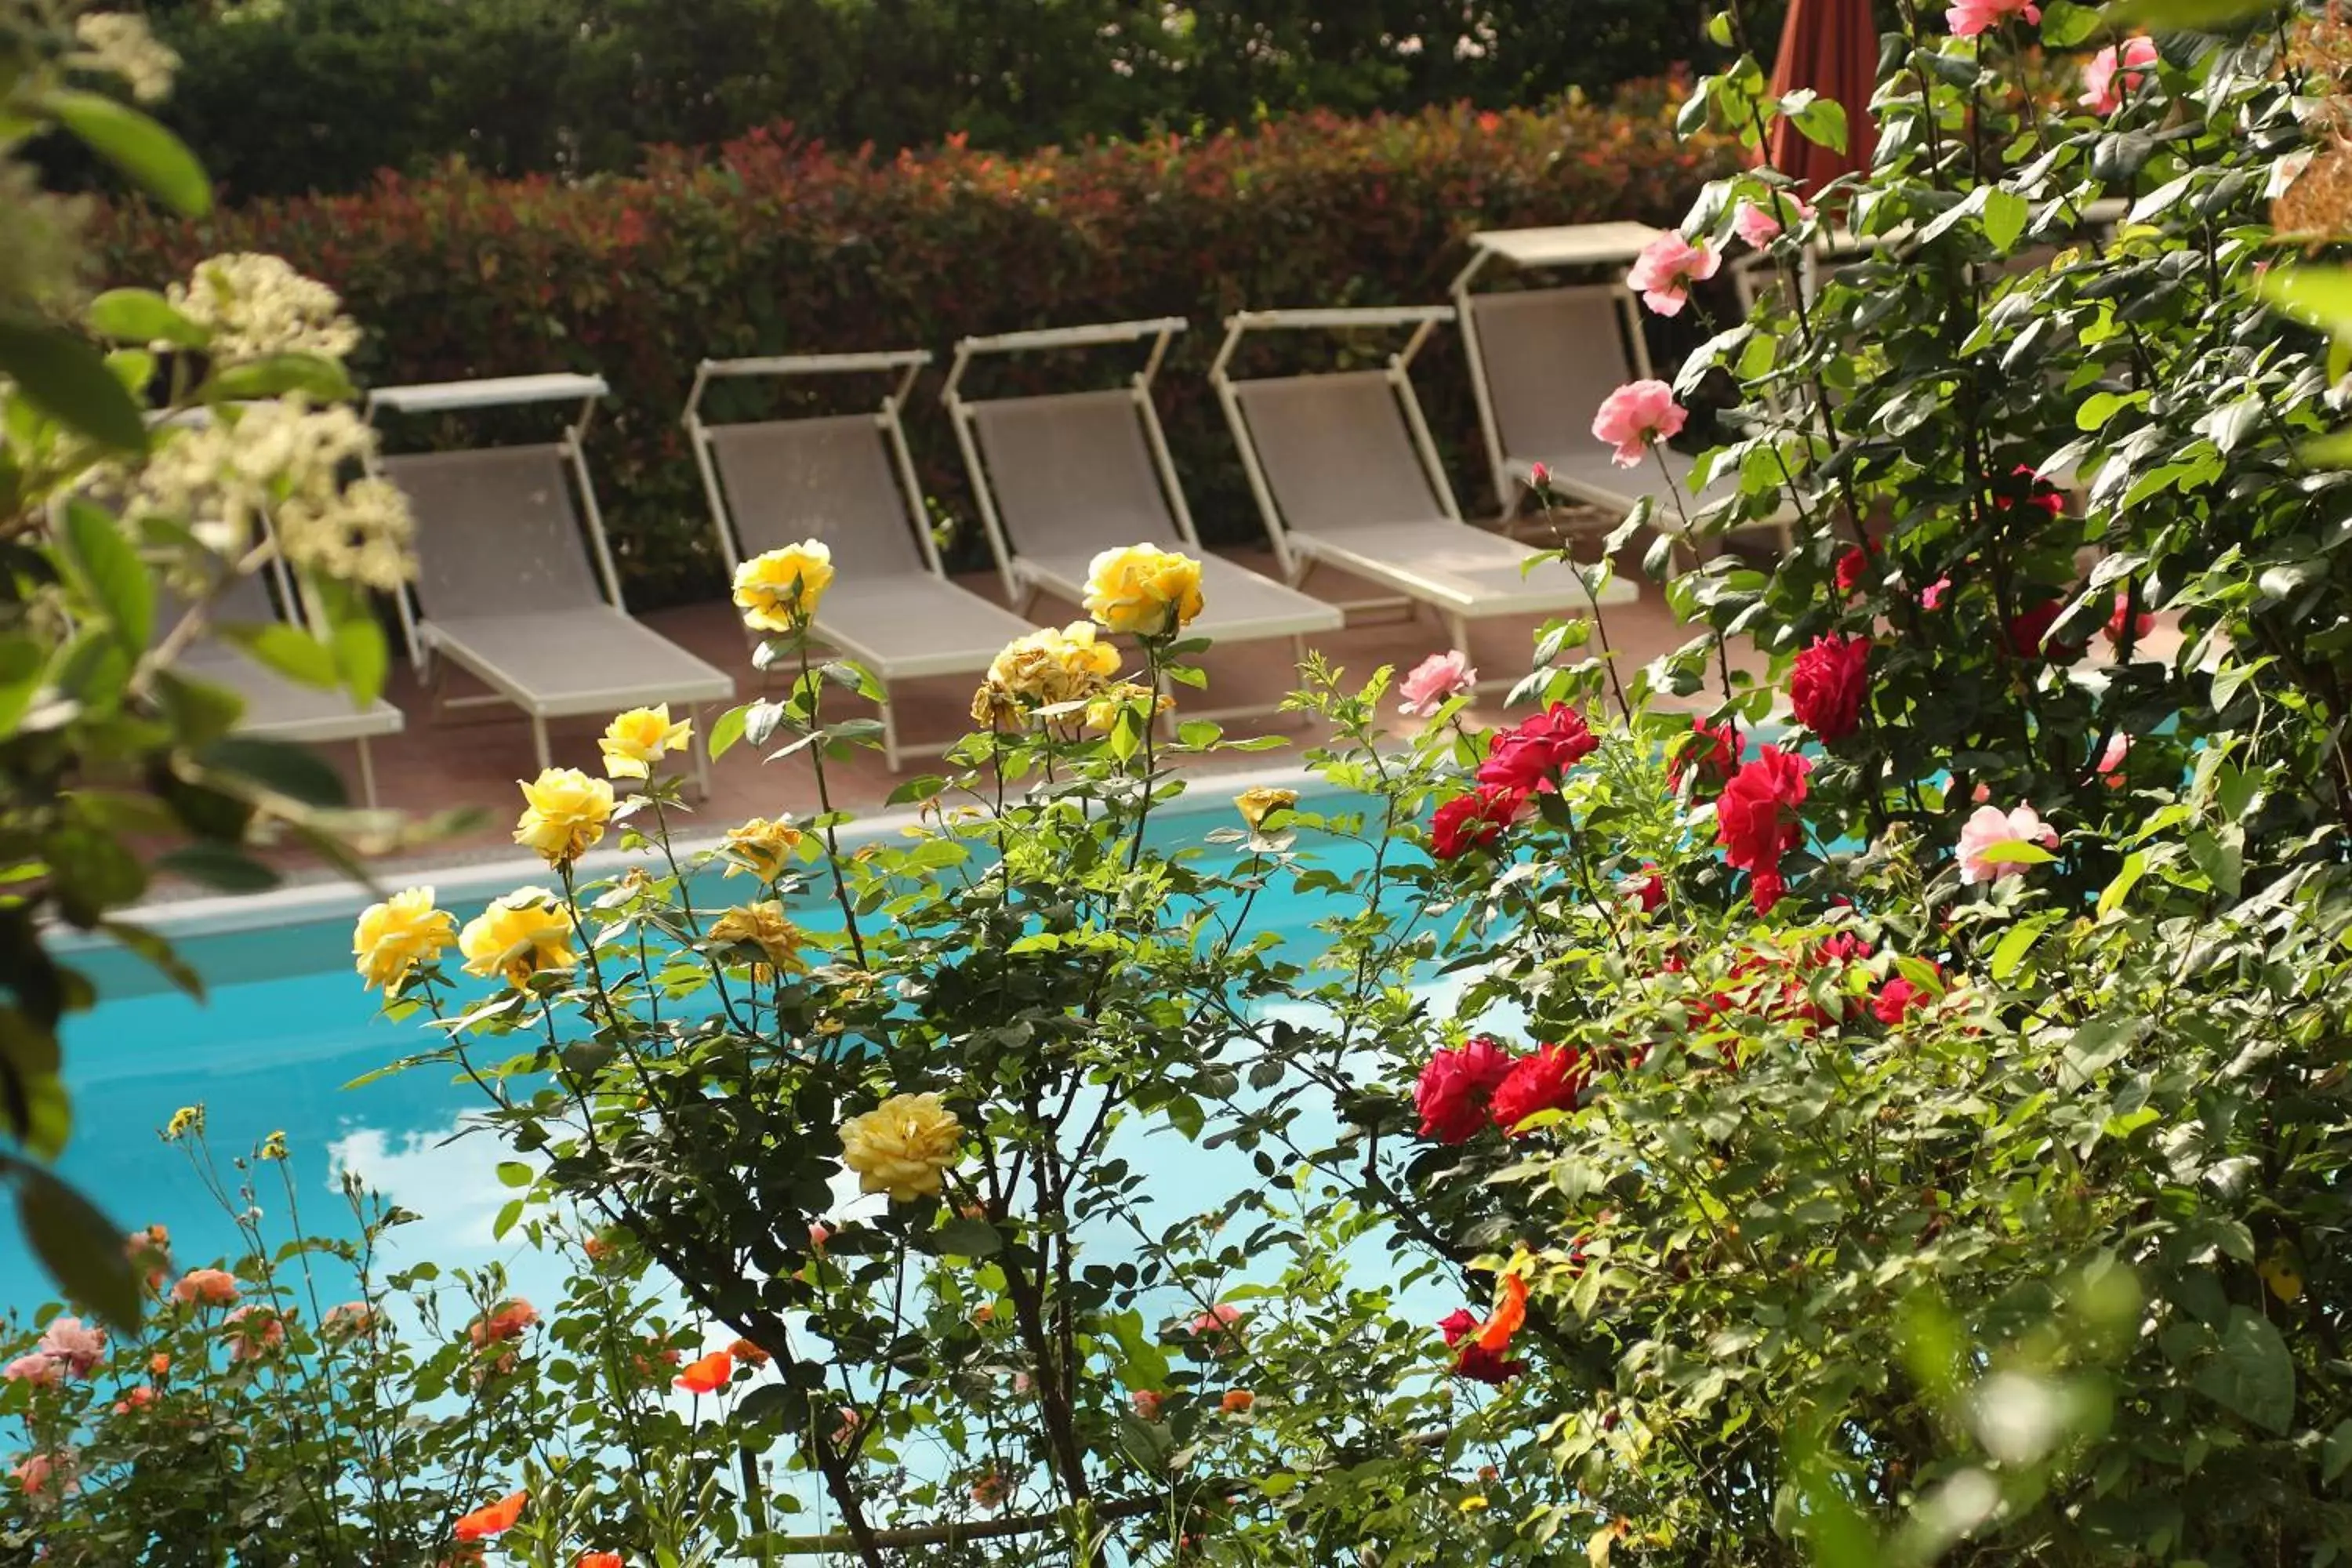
(504, 391)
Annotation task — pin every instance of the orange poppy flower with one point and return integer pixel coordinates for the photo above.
(748, 1354)
(1495, 1333)
(707, 1375)
(494, 1519)
(598, 1560)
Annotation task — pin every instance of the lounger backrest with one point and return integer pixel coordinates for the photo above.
(240, 601)
(1552, 355)
(496, 531)
(1071, 472)
(829, 479)
(1336, 451)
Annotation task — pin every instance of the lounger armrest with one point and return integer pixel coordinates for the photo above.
(815, 365)
(1073, 337)
(1341, 317)
(491, 392)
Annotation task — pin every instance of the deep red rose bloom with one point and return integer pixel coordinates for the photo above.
(1473, 821)
(1852, 569)
(1456, 1087)
(1554, 1078)
(1898, 996)
(1472, 1360)
(2038, 492)
(1765, 889)
(1714, 754)
(1826, 689)
(1534, 755)
(2122, 618)
(1756, 820)
(1650, 890)
(1841, 947)
(2028, 634)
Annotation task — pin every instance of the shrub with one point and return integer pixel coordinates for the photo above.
(778, 245)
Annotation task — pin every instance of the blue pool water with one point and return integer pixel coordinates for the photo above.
(286, 1029)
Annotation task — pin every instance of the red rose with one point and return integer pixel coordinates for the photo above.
(1714, 754)
(2028, 634)
(1534, 755)
(1898, 996)
(2039, 493)
(1853, 568)
(1765, 889)
(1825, 689)
(1554, 1078)
(2122, 619)
(1456, 1087)
(1650, 890)
(1473, 821)
(1756, 819)
(1475, 1361)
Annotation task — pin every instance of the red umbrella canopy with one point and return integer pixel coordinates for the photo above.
(1832, 47)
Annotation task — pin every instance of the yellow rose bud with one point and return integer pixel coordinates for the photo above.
(638, 739)
(779, 591)
(516, 936)
(763, 926)
(1256, 803)
(395, 937)
(1143, 590)
(761, 847)
(902, 1146)
(564, 812)
(1103, 711)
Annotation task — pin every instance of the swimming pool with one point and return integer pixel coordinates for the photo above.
(287, 1027)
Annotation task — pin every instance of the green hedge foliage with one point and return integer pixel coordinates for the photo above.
(769, 246)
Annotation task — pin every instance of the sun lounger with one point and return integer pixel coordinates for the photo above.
(849, 482)
(510, 587)
(1346, 475)
(1062, 477)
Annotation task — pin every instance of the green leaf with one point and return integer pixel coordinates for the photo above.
(508, 1214)
(281, 766)
(158, 953)
(2135, 867)
(2005, 213)
(726, 730)
(964, 1237)
(2065, 24)
(218, 866)
(155, 159)
(363, 658)
(291, 652)
(2014, 944)
(142, 316)
(22, 667)
(2335, 1453)
(2182, 15)
(113, 575)
(2251, 1375)
(1820, 121)
(2318, 296)
(81, 1248)
(68, 380)
(275, 375)
(515, 1173)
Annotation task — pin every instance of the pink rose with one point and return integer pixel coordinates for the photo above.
(1759, 223)
(47, 1475)
(1435, 681)
(1147, 1403)
(2111, 760)
(206, 1288)
(1538, 475)
(255, 1331)
(1636, 415)
(138, 1397)
(2107, 81)
(1969, 18)
(1990, 829)
(1663, 274)
(74, 1344)
(40, 1371)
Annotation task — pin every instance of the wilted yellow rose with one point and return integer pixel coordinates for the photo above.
(1104, 710)
(761, 847)
(394, 937)
(763, 926)
(564, 812)
(1256, 803)
(1144, 590)
(902, 1146)
(1044, 668)
(638, 739)
(516, 936)
(779, 591)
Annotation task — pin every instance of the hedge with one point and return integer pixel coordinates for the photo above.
(769, 246)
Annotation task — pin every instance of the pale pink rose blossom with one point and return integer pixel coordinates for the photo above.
(2114, 73)
(251, 1343)
(49, 1474)
(1636, 415)
(139, 1397)
(1991, 827)
(1435, 681)
(40, 1371)
(2111, 760)
(1969, 18)
(79, 1345)
(1147, 1403)
(1663, 274)
(350, 1317)
(1222, 1316)
(1762, 222)
(206, 1288)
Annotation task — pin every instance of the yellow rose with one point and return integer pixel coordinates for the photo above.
(564, 812)
(1256, 803)
(761, 847)
(1144, 590)
(399, 934)
(778, 592)
(1046, 667)
(763, 926)
(902, 1146)
(516, 936)
(637, 739)
(1104, 710)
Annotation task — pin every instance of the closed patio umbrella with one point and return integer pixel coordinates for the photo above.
(1831, 46)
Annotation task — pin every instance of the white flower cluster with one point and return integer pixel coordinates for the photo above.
(259, 305)
(118, 44)
(284, 462)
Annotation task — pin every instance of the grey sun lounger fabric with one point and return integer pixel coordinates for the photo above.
(1073, 477)
(275, 706)
(509, 592)
(829, 479)
(1339, 456)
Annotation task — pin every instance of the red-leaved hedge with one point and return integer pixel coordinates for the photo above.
(770, 246)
